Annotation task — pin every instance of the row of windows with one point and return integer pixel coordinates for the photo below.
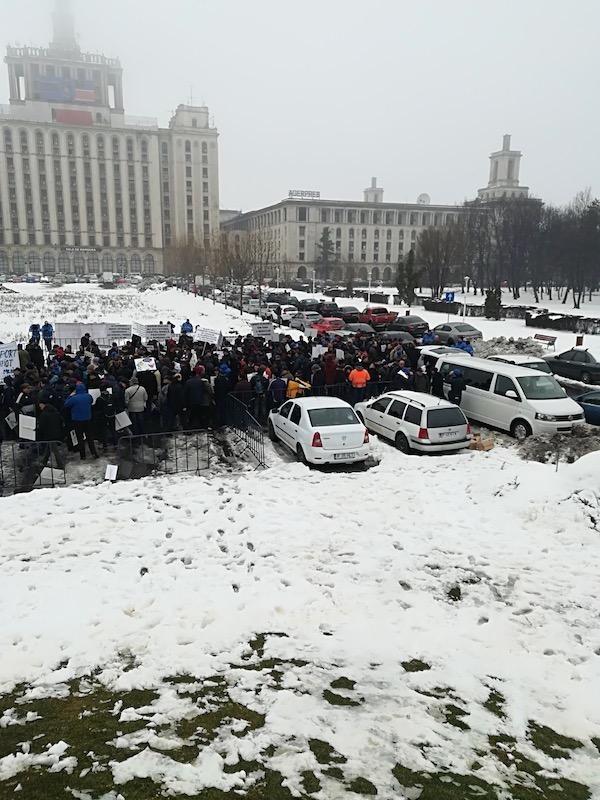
(361, 273)
(363, 256)
(79, 262)
(354, 216)
(70, 144)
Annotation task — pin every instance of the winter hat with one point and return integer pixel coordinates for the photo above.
(133, 381)
(199, 370)
(225, 370)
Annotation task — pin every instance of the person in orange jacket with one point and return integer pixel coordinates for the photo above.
(359, 377)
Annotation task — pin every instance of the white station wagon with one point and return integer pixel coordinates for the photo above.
(320, 430)
(416, 421)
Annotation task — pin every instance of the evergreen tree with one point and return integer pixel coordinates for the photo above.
(493, 303)
(326, 254)
(407, 278)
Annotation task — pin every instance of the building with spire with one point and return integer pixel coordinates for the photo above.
(504, 174)
(85, 188)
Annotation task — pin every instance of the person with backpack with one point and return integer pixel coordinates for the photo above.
(136, 398)
(34, 332)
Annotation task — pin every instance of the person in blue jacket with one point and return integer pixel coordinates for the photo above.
(187, 327)
(79, 404)
(428, 337)
(47, 335)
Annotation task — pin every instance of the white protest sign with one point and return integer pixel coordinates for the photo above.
(208, 335)
(122, 420)
(9, 359)
(111, 472)
(340, 355)
(146, 364)
(318, 350)
(95, 393)
(11, 420)
(27, 427)
(115, 331)
(157, 332)
(262, 329)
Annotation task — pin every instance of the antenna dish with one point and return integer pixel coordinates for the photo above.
(424, 199)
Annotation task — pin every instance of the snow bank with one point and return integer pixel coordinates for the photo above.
(477, 566)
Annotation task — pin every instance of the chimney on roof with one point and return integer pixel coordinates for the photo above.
(506, 141)
(374, 194)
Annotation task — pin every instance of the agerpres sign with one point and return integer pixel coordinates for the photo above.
(304, 194)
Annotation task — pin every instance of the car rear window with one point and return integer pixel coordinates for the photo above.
(465, 328)
(541, 366)
(322, 417)
(378, 310)
(445, 417)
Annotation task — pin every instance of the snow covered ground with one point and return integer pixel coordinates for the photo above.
(429, 623)
(427, 628)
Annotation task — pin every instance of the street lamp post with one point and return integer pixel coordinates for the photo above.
(467, 279)
(369, 291)
(314, 272)
(277, 271)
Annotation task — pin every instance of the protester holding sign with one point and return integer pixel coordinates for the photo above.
(79, 404)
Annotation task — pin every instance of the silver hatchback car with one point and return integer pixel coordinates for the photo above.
(304, 320)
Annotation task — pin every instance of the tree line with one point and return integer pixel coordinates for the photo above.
(517, 242)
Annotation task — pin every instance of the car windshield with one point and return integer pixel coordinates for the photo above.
(322, 417)
(378, 311)
(444, 417)
(540, 366)
(312, 315)
(541, 387)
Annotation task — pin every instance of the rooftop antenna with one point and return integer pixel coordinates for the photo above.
(191, 95)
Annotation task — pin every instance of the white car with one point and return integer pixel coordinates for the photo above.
(320, 430)
(531, 362)
(416, 421)
(286, 312)
(430, 353)
(303, 320)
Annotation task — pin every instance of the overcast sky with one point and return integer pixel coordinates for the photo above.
(323, 94)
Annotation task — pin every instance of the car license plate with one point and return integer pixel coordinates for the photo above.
(448, 435)
(341, 456)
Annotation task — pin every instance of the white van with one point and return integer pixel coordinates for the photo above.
(252, 305)
(510, 397)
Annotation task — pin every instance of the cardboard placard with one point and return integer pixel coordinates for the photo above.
(208, 335)
(95, 393)
(147, 364)
(11, 420)
(122, 420)
(111, 472)
(262, 329)
(27, 427)
(9, 359)
(116, 331)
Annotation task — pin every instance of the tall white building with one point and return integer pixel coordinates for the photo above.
(85, 188)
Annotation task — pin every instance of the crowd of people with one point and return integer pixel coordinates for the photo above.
(93, 395)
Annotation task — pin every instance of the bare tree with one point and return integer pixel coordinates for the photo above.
(438, 249)
(185, 257)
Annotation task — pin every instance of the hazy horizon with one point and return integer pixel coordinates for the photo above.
(324, 96)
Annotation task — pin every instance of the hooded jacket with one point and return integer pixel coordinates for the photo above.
(80, 404)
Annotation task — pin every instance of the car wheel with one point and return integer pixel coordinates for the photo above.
(301, 455)
(272, 435)
(586, 377)
(401, 443)
(520, 430)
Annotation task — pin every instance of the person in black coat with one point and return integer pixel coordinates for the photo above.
(222, 388)
(193, 392)
(437, 383)
(50, 430)
(175, 401)
(457, 387)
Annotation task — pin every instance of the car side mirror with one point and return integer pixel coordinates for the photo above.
(512, 394)
(275, 411)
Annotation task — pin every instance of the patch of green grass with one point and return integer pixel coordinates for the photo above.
(362, 786)
(325, 753)
(343, 683)
(415, 665)
(495, 704)
(551, 743)
(453, 715)
(338, 699)
(444, 785)
(310, 783)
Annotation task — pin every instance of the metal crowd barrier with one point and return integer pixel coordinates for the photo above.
(244, 425)
(32, 465)
(163, 453)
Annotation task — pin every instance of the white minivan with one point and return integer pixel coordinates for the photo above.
(510, 397)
